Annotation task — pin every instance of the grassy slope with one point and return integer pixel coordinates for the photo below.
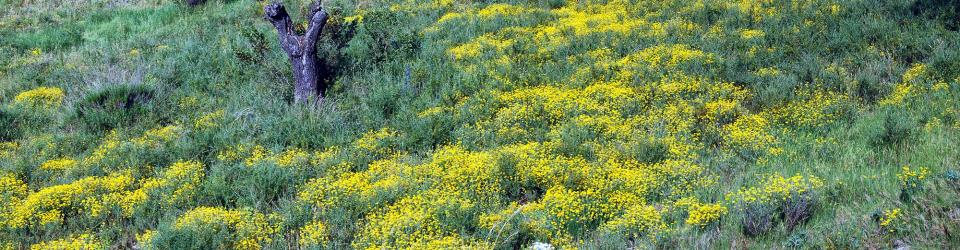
(471, 96)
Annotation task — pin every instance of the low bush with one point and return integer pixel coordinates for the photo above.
(115, 106)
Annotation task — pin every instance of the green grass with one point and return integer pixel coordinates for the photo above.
(131, 66)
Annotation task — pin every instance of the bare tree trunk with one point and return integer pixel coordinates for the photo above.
(301, 49)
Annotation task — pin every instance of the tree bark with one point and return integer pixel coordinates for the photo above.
(301, 49)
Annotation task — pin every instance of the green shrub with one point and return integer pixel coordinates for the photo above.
(757, 219)
(382, 35)
(945, 11)
(797, 210)
(116, 106)
(9, 127)
(897, 127)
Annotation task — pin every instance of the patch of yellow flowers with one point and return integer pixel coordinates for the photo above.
(95, 196)
(84, 241)
(248, 229)
(889, 218)
(48, 205)
(704, 214)
(912, 178)
(43, 97)
(775, 188)
(209, 120)
(59, 164)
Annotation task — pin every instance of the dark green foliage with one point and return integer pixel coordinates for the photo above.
(264, 186)
(897, 126)
(647, 151)
(213, 238)
(114, 106)
(384, 34)
(797, 210)
(9, 127)
(576, 141)
(946, 11)
(757, 219)
(946, 63)
(796, 241)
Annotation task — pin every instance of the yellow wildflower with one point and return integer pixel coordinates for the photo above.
(249, 230)
(889, 218)
(46, 97)
(58, 164)
(210, 120)
(313, 234)
(704, 214)
(72, 242)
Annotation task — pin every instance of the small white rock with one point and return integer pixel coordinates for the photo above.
(541, 246)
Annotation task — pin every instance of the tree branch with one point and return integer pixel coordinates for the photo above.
(277, 15)
(317, 21)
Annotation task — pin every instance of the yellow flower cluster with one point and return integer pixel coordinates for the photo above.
(111, 148)
(210, 120)
(704, 214)
(91, 195)
(571, 23)
(915, 73)
(476, 47)
(768, 72)
(45, 97)
(750, 34)
(620, 99)
(912, 178)
(12, 190)
(889, 219)
(638, 221)
(248, 230)
(813, 109)
(155, 137)
(670, 56)
(105, 150)
(326, 192)
(177, 184)
(500, 9)
(566, 209)
(145, 239)
(72, 242)
(750, 132)
(95, 197)
(900, 93)
(408, 224)
(313, 234)
(253, 155)
(912, 84)
(776, 188)
(592, 115)
(58, 164)
(8, 149)
(376, 141)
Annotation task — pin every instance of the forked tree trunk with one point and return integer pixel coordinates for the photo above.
(301, 49)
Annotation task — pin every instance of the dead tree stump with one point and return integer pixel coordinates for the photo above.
(301, 49)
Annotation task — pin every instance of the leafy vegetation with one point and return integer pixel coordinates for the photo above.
(597, 124)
